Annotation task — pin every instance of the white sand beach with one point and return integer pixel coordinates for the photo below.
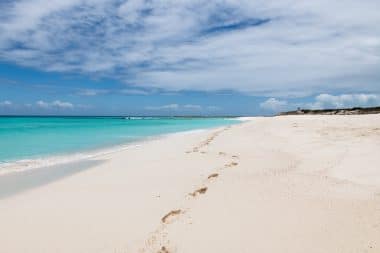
(271, 185)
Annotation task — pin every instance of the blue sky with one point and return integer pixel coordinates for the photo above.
(140, 57)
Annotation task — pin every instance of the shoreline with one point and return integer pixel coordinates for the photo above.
(22, 165)
(17, 180)
(289, 184)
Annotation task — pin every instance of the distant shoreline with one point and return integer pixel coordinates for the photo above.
(339, 111)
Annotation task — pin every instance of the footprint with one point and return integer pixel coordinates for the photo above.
(214, 175)
(163, 250)
(199, 191)
(222, 153)
(208, 140)
(172, 213)
(235, 156)
(232, 164)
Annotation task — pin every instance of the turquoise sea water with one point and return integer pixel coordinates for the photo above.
(38, 137)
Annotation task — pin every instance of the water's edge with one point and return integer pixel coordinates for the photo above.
(23, 165)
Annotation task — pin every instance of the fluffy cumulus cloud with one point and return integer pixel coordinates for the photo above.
(269, 47)
(323, 101)
(57, 104)
(6, 103)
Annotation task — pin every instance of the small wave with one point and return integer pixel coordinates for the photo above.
(30, 164)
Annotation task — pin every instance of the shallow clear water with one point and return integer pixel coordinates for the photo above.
(35, 137)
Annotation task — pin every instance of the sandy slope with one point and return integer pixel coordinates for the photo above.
(284, 184)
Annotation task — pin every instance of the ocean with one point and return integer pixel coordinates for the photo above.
(31, 139)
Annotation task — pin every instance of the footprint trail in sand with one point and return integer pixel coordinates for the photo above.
(158, 241)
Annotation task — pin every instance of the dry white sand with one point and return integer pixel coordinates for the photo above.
(283, 184)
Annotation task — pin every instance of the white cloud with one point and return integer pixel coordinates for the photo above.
(134, 92)
(63, 105)
(193, 107)
(274, 105)
(163, 107)
(6, 103)
(55, 104)
(311, 46)
(91, 92)
(130, 11)
(323, 101)
(42, 104)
